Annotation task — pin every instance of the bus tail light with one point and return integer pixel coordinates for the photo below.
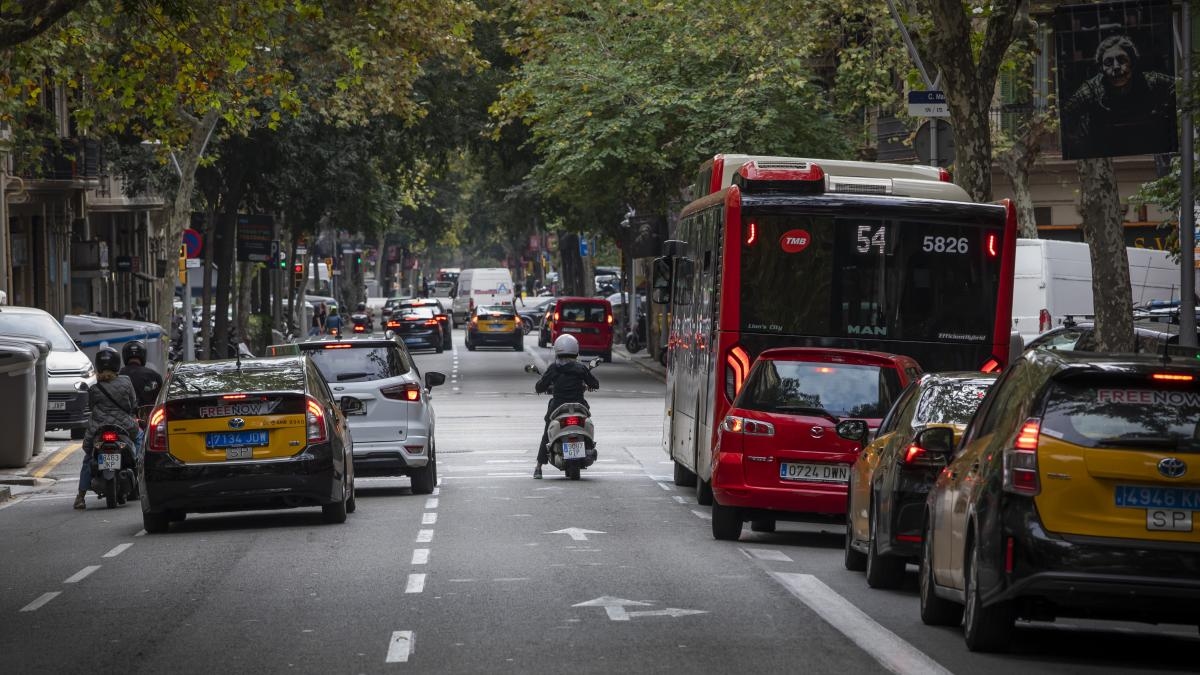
(737, 367)
(944, 175)
(993, 245)
(736, 424)
(156, 431)
(1020, 461)
(751, 233)
(318, 431)
(990, 366)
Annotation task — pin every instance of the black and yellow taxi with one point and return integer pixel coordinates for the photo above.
(1074, 492)
(246, 434)
(495, 325)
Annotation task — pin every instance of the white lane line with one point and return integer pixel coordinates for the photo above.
(81, 574)
(420, 556)
(416, 583)
(424, 536)
(428, 518)
(701, 514)
(512, 579)
(437, 490)
(767, 554)
(439, 482)
(140, 533)
(885, 646)
(680, 498)
(117, 550)
(43, 599)
(665, 486)
(400, 647)
(431, 503)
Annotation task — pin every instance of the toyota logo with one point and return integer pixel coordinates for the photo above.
(817, 432)
(237, 423)
(1172, 467)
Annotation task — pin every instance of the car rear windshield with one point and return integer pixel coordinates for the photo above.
(358, 363)
(582, 312)
(1124, 413)
(411, 313)
(497, 311)
(226, 378)
(950, 403)
(825, 389)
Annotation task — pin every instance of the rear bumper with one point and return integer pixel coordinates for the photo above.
(311, 478)
(506, 338)
(428, 341)
(730, 489)
(390, 459)
(589, 343)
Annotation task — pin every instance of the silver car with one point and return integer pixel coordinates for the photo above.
(394, 432)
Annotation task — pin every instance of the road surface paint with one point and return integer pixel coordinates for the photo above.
(431, 503)
(576, 533)
(428, 518)
(665, 486)
(56, 459)
(767, 554)
(615, 608)
(680, 498)
(702, 515)
(81, 574)
(43, 599)
(416, 583)
(420, 556)
(885, 646)
(424, 536)
(400, 647)
(117, 550)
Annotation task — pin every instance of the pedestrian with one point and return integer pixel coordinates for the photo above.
(318, 321)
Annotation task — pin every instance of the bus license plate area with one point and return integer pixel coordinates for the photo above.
(1168, 520)
(108, 461)
(235, 440)
(574, 450)
(814, 473)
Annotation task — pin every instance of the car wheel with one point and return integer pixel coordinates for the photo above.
(704, 496)
(986, 629)
(684, 477)
(883, 571)
(439, 349)
(335, 513)
(155, 523)
(852, 559)
(726, 522)
(78, 433)
(935, 611)
(470, 347)
(762, 525)
(424, 478)
(542, 340)
(526, 326)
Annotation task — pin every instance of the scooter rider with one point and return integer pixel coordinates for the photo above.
(566, 379)
(112, 400)
(146, 381)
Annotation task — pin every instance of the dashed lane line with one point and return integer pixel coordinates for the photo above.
(766, 554)
(702, 515)
(680, 498)
(428, 518)
(420, 556)
(117, 550)
(416, 583)
(431, 503)
(42, 600)
(81, 574)
(400, 647)
(424, 536)
(665, 486)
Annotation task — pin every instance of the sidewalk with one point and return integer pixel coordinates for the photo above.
(34, 476)
(642, 360)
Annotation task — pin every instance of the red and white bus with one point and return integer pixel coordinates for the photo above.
(784, 252)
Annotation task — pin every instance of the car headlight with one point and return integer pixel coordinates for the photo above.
(88, 372)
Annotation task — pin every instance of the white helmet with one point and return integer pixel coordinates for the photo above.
(566, 345)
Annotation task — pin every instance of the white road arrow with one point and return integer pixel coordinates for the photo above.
(615, 608)
(576, 533)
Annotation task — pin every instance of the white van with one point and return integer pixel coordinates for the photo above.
(1053, 280)
(481, 286)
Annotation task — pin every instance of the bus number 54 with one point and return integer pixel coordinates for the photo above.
(944, 245)
(867, 239)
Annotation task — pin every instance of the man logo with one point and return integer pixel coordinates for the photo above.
(794, 241)
(1172, 467)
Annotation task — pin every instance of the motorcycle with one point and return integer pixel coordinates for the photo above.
(571, 436)
(113, 465)
(635, 339)
(361, 323)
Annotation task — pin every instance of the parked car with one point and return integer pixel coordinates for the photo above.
(590, 320)
(892, 475)
(69, 370)
(1149, 335)
(778, 453)
(394, 429)
(1069, 495)
(246, 434)
(495, 325)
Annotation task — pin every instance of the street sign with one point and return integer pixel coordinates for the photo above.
(274, 249)
(945, 143)
(193, 243)
(255, 233)
(301, 250)
(583, 248)
(193, 263)
(928, 104)
(124, 263)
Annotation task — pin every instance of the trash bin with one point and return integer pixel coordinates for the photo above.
(42, 397)
(18, 411)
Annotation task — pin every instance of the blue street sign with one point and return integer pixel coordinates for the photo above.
(928, 104)
(583, 248)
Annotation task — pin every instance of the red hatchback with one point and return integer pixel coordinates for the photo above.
(589, 320)
(778, 452)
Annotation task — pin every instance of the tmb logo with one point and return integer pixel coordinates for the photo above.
(794, 241)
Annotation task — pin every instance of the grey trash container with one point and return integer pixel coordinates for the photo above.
(42, 398)
(18, 411)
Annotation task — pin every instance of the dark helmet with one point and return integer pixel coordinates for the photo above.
(107, 358)
(134, 350)
(362, 306)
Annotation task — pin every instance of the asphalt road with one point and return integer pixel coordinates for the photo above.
(496, 572)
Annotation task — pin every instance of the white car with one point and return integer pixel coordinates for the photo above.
(69, 371)
(393, 435)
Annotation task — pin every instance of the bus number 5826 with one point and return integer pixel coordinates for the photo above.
(944, 245)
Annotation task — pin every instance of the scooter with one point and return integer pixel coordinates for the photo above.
(571, 436)
(361, 323)
(635, 339)
(113, 465)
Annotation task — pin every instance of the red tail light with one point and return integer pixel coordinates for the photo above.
(393, 324)
(990, 366)
(1044, 321)
(108, 437)
(442, 318)
(1020, 461)
(233, 397)
(402, 392)
(915, 455)
(156, 431)
(572, 421)
(944, 175)
(1171, 377)
(735, 424)
(556, 316)
(737, 368)
(359, 328)
(609, 318)
(751, 233)
(431, 322)
(318, 430)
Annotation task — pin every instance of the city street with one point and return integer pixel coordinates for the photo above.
(495, 572)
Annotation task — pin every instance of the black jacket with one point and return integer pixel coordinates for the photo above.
(146, 383)
(567, 382)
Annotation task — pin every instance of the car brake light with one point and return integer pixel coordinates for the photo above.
(556, 316)
(337, 346)
(431, 322)
(824, 369)
(572, 421)
(609, 318)
(915, 455)
(990, 366)
(233, 397)
(1171, 377)
(1020, 461)
(735, 424)
(156, 431)
(108, 437)
(441, 317)
(402, 392)
(944, 175)
(315, 419)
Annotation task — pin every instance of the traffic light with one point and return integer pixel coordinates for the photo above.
(282, 260)
(357, 258)
(298, 271)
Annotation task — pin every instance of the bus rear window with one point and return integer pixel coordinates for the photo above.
(827, 389)
(1123, 413)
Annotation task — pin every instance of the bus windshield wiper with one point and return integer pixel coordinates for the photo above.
(805, 410)
(1135, 439)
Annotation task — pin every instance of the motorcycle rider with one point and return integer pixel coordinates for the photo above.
(566, 379)
(112, 400)
(146, 381)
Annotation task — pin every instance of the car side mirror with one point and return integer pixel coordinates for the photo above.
(662, 280)
(351, 406)
(936, 440)
(434, 379)
(853, 430)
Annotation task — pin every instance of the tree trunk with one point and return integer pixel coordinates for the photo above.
(226, 271)
(570, 276)
(206, 295)
(1112, 299)
(247, 273)
(181, 211)
(970, 112)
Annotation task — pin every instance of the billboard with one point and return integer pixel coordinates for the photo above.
(1116, 79)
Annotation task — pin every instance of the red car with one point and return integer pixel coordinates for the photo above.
(779, 454)
(590, 320)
